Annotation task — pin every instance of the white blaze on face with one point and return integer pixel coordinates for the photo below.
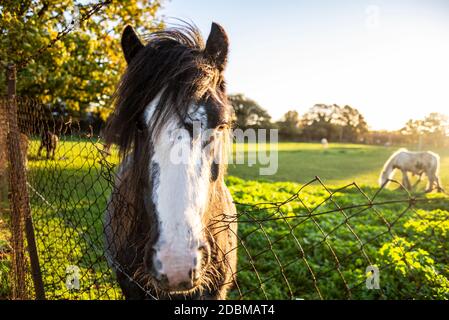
(180, 194)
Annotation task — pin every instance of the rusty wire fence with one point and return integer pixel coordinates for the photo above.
(311, 242)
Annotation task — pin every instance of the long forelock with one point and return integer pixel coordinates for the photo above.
(172, 64)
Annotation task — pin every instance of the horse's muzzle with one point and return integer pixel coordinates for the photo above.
(178, 272)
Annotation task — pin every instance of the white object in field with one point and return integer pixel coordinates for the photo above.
(324, 143)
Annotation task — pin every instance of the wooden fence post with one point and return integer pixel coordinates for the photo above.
(19, 201)
(3, 159)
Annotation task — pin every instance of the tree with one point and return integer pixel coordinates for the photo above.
(353, 124)
(289, 125)
(248, 113)
(334, 123)
(412, 130)
(79, 71)
(433, 129)
(319, 122)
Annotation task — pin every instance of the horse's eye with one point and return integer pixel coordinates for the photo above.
(222, 127)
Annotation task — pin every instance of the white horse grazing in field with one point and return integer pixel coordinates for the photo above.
(324, 143)
(415, 162)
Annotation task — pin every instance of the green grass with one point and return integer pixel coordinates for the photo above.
(302, 251)
(5, 250)
(339, 164)
(69, 198)
(70, 195)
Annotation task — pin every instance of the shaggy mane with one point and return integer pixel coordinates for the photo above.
(172, 64)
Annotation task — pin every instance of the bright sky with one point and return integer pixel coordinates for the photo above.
(389, 59)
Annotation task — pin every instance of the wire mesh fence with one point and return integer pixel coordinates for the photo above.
(312, 242)
(336, 247)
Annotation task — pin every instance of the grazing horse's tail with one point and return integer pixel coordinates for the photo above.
(388, 169)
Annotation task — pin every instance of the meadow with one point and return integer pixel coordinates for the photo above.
(335, 249)
(285, 252)
(337, 165)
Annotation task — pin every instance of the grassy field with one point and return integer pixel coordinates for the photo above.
(418, 266)
(4, 252)
(322, 256)
(339, 164)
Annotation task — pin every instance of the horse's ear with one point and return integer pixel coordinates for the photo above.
(131, 43)
(217, 46)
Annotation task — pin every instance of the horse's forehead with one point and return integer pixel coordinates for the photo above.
(197, 112)
(209, 114)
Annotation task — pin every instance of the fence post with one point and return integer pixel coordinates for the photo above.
(20, 205)
(3, 159)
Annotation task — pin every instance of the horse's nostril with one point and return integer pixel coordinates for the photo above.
(163, 280)
(185, 285)
(153, 265)
(157, 265)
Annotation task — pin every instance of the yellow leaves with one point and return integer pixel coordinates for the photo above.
(415, 263)
(46, 98)
(435, 221)
(53, 34)
(71, 46)
(74, 105)
(405, 255)
(82, 67)
(9, 18)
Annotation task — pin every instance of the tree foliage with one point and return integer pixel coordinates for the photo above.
(433, 129)
(289, 125)
(333, 122)
(248, 113)
(78, 72)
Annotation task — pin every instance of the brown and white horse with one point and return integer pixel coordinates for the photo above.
(165, 226)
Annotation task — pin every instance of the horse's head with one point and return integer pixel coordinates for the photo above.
(383, 178)
(171, 122)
